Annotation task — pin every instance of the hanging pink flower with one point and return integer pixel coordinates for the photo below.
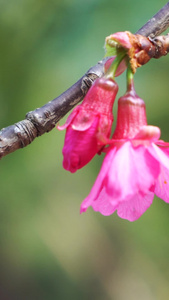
(135, 168)
(89, 125)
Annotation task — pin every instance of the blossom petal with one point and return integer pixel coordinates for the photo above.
(100, 182)
(133, 170)
(79, 147)
(160, 154)
(135, 206)
(70, 118)
(162, 185)
(148, 132)
(101, 204)
(83, 120)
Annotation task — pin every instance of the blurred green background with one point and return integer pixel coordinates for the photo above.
(48, 250)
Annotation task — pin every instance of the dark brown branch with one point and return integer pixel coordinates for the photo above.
(157, 24)
(43, 119)
(46, 117)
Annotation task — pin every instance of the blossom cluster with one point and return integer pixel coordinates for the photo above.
(136, 164)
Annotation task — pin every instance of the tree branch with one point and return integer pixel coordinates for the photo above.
(157, 24)
(44, 119)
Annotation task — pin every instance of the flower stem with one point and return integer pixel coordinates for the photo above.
(130, 78)
(112, 70)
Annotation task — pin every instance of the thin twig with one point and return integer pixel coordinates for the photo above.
(44, 119)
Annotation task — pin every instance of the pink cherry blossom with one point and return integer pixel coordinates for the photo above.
(89, 125)
(135, 168)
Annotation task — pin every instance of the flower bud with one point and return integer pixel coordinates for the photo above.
(89, 126)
